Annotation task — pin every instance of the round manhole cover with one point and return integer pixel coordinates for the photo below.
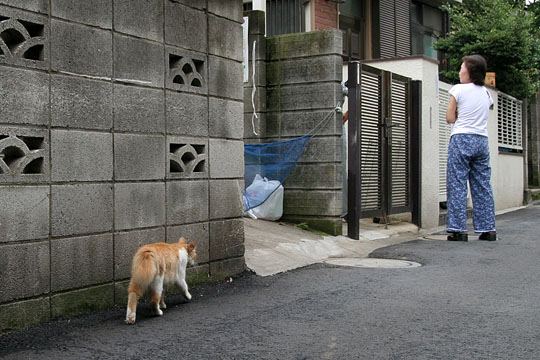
(373, 263)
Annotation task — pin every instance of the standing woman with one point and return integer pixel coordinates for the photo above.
(468, 153)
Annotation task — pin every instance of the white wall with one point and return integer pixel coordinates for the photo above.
(507, 171)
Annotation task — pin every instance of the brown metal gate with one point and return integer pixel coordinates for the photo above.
(383, 175)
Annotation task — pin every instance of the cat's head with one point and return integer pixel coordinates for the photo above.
(191, 248)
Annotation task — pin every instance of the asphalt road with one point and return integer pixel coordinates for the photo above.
(475, 300)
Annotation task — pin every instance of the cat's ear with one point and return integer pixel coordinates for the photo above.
(182, 240)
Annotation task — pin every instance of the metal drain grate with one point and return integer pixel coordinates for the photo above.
(373, 263)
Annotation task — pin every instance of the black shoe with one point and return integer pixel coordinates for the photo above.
(458, 237)
(488, 236)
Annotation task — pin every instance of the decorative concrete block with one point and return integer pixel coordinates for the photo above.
(297, 71)
(81, 209)
(138, 109)
(81, 156)
(138, 61)
(90, 257)
(142, 18)
(303, 97)
(301, 45)
(24, 155)
(298, 123)
(226, 198)
(226, 118)
(187, 114)
(192, 232)
(225, 37)
(82, 301)
(21, 314)
(186, 71)
(77, 102)
(319, 202)
(90, 12)
(27, 216)
(187, 201)
(228, 9)
(223, 269)
(226, 158)
(25, 96)
(126, 245)
(226, 239)
(225, 78)
(139, 157)
(185, 27)
(41, 6)
(25, 270)
(81, 49)
(139, 205)
(188, 157)
(30, 46)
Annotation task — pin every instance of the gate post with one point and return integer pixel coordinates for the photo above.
(415, 138)
(353, 146)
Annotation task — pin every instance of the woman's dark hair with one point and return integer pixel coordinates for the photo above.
(476, 66)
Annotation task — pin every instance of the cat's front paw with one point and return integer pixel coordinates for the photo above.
(188, 295)
(159, 312)
(163, 305)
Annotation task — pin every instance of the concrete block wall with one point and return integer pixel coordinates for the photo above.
(303, 87)
(121, 124)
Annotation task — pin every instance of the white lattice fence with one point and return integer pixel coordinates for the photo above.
(509, 120)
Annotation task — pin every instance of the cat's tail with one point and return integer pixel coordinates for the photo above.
(144, 270)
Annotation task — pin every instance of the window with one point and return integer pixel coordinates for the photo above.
(509, 122)
(351, 23)
(286, 16)
(427, 25)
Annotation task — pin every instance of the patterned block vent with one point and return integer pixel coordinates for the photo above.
(21, 155)
(186, 72)
(21, 40)
(187, 159)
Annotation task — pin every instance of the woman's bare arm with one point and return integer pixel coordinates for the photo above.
(451, 113)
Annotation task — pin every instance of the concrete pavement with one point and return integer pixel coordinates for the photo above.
(274, 247)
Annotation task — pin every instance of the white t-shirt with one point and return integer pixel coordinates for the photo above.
(473, 103)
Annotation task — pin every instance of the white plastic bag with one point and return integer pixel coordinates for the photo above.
(261, 189)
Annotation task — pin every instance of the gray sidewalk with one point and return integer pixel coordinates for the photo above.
(275, 247)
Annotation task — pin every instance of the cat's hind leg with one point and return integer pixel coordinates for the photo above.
(162, 304)
(134, 293)
(155, 297)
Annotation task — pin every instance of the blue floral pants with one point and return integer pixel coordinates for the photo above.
(468, 160)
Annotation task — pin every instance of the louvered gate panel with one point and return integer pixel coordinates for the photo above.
(444, 138)
(399, 143)
(387, 26)
(370, 143)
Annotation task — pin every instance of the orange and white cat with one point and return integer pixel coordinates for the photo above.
(155, 265)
